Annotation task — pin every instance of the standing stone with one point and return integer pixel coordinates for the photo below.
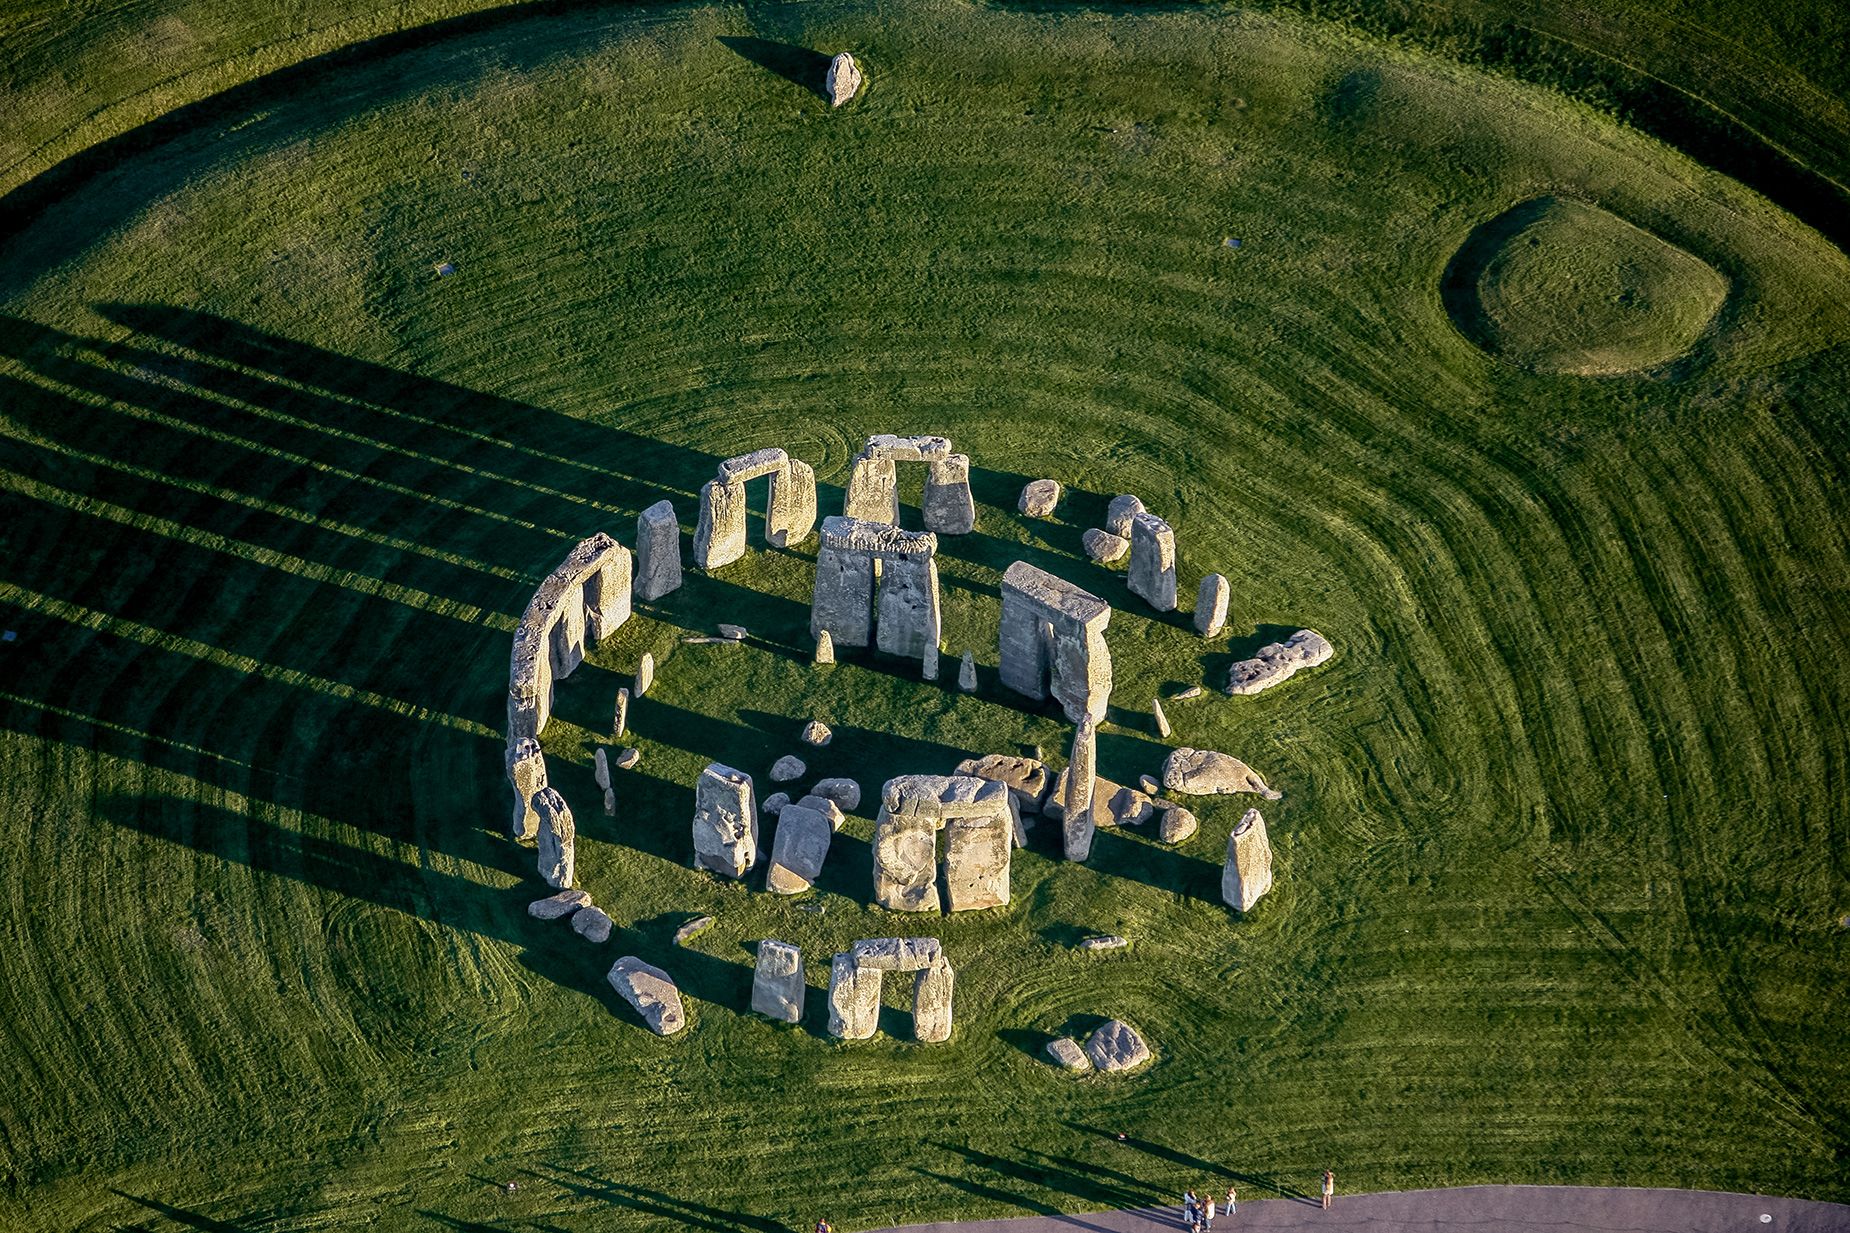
(1153, 562)
(1081, 780)
(777, 981)
(976, 859)
(825, 647)
(1052, 640)
(908, 624)
(931, 1002)
(719, 537)
(966, 673)
(651, 992)
(1247, 875)
(798, 850)
(658, 552)
(928, 663)
(873, 492)
(1211, 605)
(558, 839)
(842, 603)
(1119, 513)
(793, 501)
(948, 506)
(645, 674)
(600, 768)
(854, 998)
(1039, 498)
(620, 716)
(1162, 720)
(526, 773)
(843, 80)
(610, 802)
(725, 821)
(906, 854)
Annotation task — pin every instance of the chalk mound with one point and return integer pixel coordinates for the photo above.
(1561, 286)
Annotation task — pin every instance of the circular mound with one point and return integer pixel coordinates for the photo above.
(1560, 286)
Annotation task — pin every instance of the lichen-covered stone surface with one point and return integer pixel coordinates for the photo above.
(557, 856)
(1202, 772)
(844, 792)
(777, 981)
(1247, 874)
(1039, 498)
(948, 507)
(526, 774)
(798, 849)
(1278, 662)
(931, 1002)
(1104, 547)
(1119, 513)
(1052, 640)
(651, 992)
(1211, 599)
(593, 924)
(1117, 1046)
(725, 821)
(1153, 562)
(843, 80)
(1175, 825)
(1065, 1053)
(658, 552)
(564, 903)
(854, 998)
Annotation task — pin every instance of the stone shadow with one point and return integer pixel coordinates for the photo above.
(672, 1211)
(1161, 1151)
(185, 1217)
(797, 65)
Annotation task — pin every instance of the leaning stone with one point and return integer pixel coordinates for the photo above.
(827, 808)
(1109, 941)
(1175, 825)
(787, 768)
(774, 802)
(798, 850)
(1247, 875)
(592, 924)
(628, 757)
(732, 633)
(645, 674)
(1039, 498)
(651, 992)
(817, 733)
(1162, 720)
(844, 792)
(1202, 772)
(692, 929)
(1117, 1046)
(777, 981)
(1067, 1054)
(658, 552)
(558, 839)
(1119, 513)
(600, 768)
(562, 904)
(1278, 662)
(619, 719)
(843, 80)
(1211, 605)
(931, 1003)
(825, 648)
(966, 673)
(725, 821)
(1104, 547)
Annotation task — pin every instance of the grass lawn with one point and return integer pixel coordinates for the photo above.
(1561, 855)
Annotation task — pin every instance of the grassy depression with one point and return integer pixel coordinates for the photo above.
(1561, 848)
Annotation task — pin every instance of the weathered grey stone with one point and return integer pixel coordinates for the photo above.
(827, 808)
(1129, 807)
(1103, 546)
(651, 992)
(854, 998)
(725, 821)
(798, 850)
(787, 768)
(853, 551)
(1175, 825)
(1247, 875)
(592, 924)
(980, 824)
(948, 507)
(817, 733)
(928, 663)
(1052, 640)
(1117, 1046)
(1067, 1054)
(966, 673)
(1147, 785)
(897, 954)
(600, 768)
(1153, 562)
(842, 604)
(558, 839)
(759, 463)
(825, 647)
(976, 858)
(549, 642)
(1162, 720)
(1027, 778)
(873, 492)
(1211, 605)
(692, 929)
(658, 552)
(628, 757)
(733, 633)
(645, 674)
(774, 802)
(1119, 513)
(843, 80)
(1278, 662)
(1108, 941)
(564, 903)
(907, 449)
(1202, 772)
(610, 802)
(792, 512)
(777, 981)
(719, 536)
(1039, 497)
(931, 1003)
(526, 774)
(906, 859)
(1077, 822)
(844, 792)
(620, 714)
(908, 624)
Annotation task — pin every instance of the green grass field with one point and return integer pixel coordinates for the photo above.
(1561, 856)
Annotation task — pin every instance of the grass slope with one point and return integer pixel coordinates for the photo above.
(1561, 851)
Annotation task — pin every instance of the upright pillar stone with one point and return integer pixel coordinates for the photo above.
(526, 773)
(725, 821)
(906, 852)
(1153, 562)
(949, 507)
(658, 552)
(607, 594)
(1052, 640)
(977, 851)
(1211, 605)
(793, 504)
(777, 981)
(558, 863)
(1247, 875)
(1081, 780)
(720, 537)
(909, 619)
(842, 605)
(568, 632)
(873, 491)
(1025, 645)
(854, 998)
(931, 1002)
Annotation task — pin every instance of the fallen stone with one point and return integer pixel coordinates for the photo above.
(1193, 691)
(1202, 772)
(777, 981)
(844, 792)
(1278, 662)
(562, 904)
(1247, 875)
(1027, 778)
(1211, 605)
(1103, 546)
(732, 633)
(1119, 513)
(827, 808)
(1147, 785)
(600, 768)
(1109, 941)
(692, 929)
(557, 857)
(1039, 497)
(619, 719)
(825, 648)
(1117, 1046)
(817, 733)
(966, 673)
(651, 992)
(1129, 807)
(645, 674)
(797, 850)
(787, 768)
(1175, 825)
(774, 802)
(1162, 720)
(725, 821)
(1066, 1054)
(592, 924)
(843, 80)
(629, 756)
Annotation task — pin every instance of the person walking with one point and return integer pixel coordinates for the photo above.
(1329, 1188)
(1207, 1215)
(1191, 1219)
(823, 1226)
(1228, 1210)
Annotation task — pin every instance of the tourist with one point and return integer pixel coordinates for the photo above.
(823, 1226)
(1329, 1188)
(1227, 1211)
(1190, 1220)
(1207, 1215)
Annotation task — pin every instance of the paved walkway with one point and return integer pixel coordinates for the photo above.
(1468, 1209)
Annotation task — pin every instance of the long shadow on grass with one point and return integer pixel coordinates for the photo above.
(185, 1218)
(675, 1212)
(798, 65)
(1162, 1151)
